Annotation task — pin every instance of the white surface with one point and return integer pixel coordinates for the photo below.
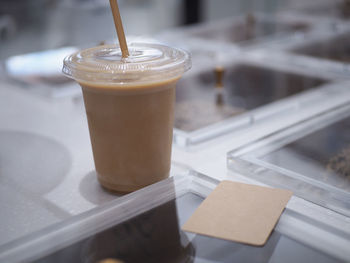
(61, 123)
(40, 191)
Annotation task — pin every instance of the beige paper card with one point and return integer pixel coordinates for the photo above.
(239, 212)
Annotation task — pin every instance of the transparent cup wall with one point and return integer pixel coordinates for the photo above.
(151, 230)
(310, 158)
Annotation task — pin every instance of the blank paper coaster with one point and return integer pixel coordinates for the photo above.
(239, 212)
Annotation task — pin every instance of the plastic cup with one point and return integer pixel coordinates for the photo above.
(130, 106)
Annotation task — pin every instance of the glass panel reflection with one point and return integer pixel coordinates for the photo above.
(156, 236)
(323, 155)
(212, 96)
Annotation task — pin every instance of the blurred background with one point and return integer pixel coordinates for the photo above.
(32, 25)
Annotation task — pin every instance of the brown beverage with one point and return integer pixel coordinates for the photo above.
(131, 133)
(130, 106)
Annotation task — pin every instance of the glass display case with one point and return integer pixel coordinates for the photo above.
(334, 49)
(145, 226)
(253, 28)
(232, 96)
(326, 49)
(225, 92)
(310, 158)
(335, 9)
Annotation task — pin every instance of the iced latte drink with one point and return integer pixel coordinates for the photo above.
(129, 105)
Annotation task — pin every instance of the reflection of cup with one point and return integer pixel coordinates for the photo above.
(129, 105)
(153, 236)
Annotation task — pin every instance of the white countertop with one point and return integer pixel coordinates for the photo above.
(50, 175)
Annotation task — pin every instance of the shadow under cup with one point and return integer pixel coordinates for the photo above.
(131, 133)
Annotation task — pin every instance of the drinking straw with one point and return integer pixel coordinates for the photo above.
(119, 27)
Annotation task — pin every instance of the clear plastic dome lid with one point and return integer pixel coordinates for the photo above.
(147, 63)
